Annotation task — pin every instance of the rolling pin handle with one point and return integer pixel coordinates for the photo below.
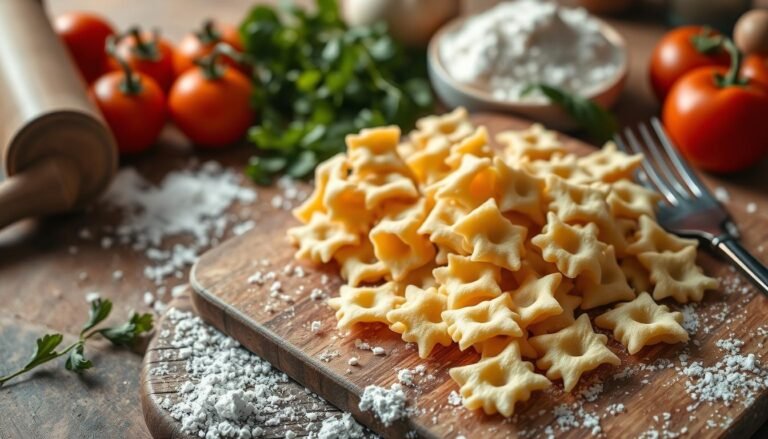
(51, 185)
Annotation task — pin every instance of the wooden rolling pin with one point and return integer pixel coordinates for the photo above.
(56, 152)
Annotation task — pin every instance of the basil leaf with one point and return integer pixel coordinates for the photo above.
(594, 119)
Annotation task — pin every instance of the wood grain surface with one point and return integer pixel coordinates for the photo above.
(278, 330)
(155, 387)
(40, 287)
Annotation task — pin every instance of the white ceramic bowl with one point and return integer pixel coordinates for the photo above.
(456, 94)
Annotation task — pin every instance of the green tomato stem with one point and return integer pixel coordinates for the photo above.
(732, 77)
(131, 84)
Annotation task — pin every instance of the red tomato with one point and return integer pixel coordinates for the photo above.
(212, 110)
(720, 129)
(147, 53)
(755, 68)
(133, 108)
(199, 44)
(675, 55)
(84, 35)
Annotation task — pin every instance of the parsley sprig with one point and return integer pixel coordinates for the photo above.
(121, 335)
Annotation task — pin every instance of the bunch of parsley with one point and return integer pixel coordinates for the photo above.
(317, 80)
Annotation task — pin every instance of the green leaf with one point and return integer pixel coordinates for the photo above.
(316, 80)
(302, 165)
(597, 121)
(99, 311)
(76, 362)
(127, 333)
(45, 350)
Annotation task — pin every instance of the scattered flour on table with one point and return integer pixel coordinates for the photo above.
(388, 405)
(232, 393)
(189, 203)
(341, 427)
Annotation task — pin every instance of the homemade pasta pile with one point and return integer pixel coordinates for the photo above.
(447, 241)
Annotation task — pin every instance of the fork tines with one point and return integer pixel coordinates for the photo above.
(663, 167)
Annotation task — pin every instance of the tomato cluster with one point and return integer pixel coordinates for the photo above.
(139, 79)
(715, 101)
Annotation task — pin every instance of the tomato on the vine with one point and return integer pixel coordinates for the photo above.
(147, 53)
(85, 35)
(681, 51)
(211, 104)
(717, 117)
(196, 45)
(133, 105)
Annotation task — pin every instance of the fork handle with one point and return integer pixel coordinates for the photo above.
(753, 268)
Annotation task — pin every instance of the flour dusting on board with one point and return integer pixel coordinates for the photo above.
(232, 393)
(388, 405)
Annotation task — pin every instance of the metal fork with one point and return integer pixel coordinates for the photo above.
(689, 209)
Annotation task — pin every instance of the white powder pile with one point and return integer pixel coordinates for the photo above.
(341, 427)
(190, 203)
(523, 42)
(735, 377)
(231, 393)
(388, 405)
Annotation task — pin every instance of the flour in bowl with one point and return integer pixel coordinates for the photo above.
(524, 42)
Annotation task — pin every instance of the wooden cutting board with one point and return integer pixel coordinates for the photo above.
(653, 398)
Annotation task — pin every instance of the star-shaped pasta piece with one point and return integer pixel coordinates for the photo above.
(469, 185)
(569, 303)
(365, 304)
(454, 125)
(380, 188)
(359, 264)
(650, 237)
(637, 276)
(337, 166)
(496, 384)
(642, 322)
(518, 191)
(612, 287)
(419, 319)
(467, 282)
(428, 164)
(421, 277)
(675, 274)
(564, 166)
(396, 242)
(493, 346)
(490, 237)
(575, 250)
(321, 238)
(630, 200)
(570, 352)
(439, 225)
(379, 141)
(475, 324)
(344, 201)
(576, 202)
(535, 300)
(476, 145)
(534, 142)
(609, 164)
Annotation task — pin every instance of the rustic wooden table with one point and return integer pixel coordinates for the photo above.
(42, 288)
